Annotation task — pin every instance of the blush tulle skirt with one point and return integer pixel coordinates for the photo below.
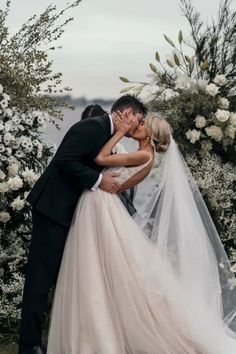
(115, 294)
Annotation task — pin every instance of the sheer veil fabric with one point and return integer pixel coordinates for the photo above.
(175, 217)
(149, 285)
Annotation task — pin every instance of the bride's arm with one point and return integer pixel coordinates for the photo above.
(105, 158)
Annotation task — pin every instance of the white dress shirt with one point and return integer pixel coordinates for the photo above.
(100, 176)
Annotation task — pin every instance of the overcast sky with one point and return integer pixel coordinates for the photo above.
(111, 38)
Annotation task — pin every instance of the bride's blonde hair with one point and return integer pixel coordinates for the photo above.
(158, 130)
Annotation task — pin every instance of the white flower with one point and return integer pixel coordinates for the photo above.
(18, 203)
(202, 83)
(224, 103)
(1, 89)
(1, 126)
(6, 97)
(2, 148)
(148, 93)
(8, 126)
(232, 283)
(30, 176)
(7, 138)
(4, 187)
(222, 115)
(12, 170)
(200, 121)
(15, 183)
(4, 104)
(8, 112)
(8, 151)
(212, 89)
(232, 119)
(233, 268)
(214, 132)
(193, 135)
(2, 174)
(167, 94)
(16, 143)
(183, 82)
(220, 80)
(4, 217)
(230, 131)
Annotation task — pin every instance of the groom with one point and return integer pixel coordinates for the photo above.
(54, 198)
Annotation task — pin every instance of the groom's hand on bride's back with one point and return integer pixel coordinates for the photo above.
(109, 183)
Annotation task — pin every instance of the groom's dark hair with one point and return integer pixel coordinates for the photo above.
(128, 101)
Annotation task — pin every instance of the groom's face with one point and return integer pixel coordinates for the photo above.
(135, 118)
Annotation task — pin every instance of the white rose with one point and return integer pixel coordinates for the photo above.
(232, 119)
(222, 115)
(4, 187)
(2, 174)
(200, 121)
(12, 170)
(4, 217)
(214, 132)
(193, 135)
(230, 131)
(183, 82)
(224, 103)
(212, 89)
(30, 176)
(220, 80)
(8, 112)
(167, 94)
(18, 203)
(15, 183)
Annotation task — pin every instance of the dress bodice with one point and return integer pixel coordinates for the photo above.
(125, 172)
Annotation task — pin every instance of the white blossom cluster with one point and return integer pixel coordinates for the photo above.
(217, 126)
(216, 180)
(20, 147)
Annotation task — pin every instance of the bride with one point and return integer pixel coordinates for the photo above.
(158, 283)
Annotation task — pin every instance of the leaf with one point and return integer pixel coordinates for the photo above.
(158, 57)
(176, 59)
(187, 58)
(170, 63)
(180, 37)
(126, 89)
(153, 68)
(124, 79)
(204, 66)
(191, 64)
(169, 41)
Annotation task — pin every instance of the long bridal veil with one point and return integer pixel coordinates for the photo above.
(174, 216)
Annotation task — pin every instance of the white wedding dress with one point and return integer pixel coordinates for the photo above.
(116, 295)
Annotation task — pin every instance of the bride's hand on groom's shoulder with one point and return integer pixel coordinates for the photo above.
(122, 122)
(109, 183)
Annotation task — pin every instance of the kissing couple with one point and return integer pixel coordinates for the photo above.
(147, 283)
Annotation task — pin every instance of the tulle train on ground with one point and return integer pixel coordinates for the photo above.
(116, 295)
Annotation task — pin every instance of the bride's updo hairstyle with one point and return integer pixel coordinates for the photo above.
(158, 130)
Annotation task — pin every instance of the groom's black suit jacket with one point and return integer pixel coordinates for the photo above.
(71, 170)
